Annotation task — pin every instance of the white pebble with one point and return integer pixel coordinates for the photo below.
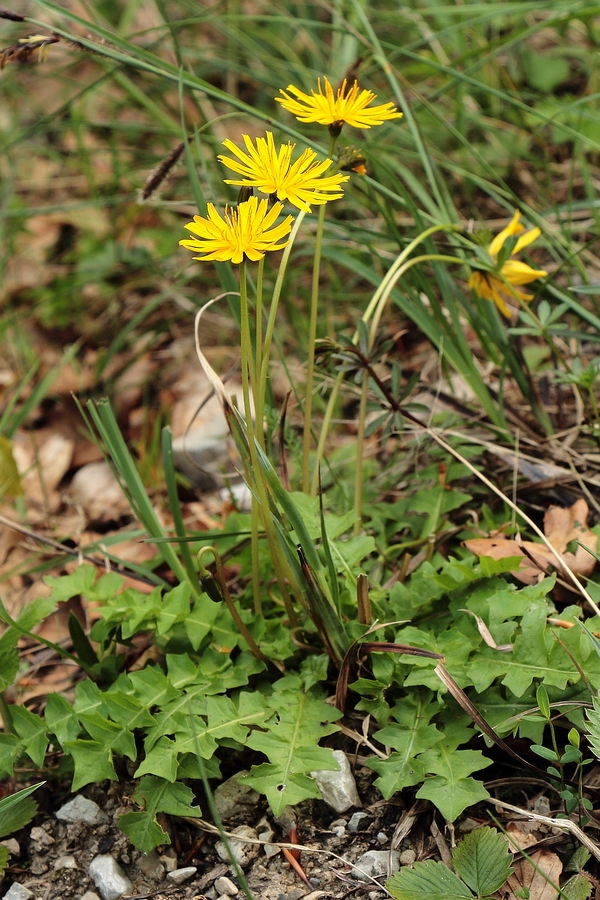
(178, 876)
(109, 878)
(80, 809)
(224, 885)
(65, 862)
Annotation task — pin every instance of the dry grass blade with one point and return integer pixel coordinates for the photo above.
(212, 829)
(562, 824)
(76, 553)
(215, 382)
(462, 699)
(341, 689)
(492, 487)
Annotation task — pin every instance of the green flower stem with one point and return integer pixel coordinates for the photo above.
(220, 577)
(247, 356)
(362, 412)
(260, 497)
(246, 351)
(310, 361)
(360, 445)
(376, 305)
(312, 336)
(263, 371)
(384, 295)
(258, 348)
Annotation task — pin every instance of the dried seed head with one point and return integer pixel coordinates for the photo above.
(11, 14)
(161, 171)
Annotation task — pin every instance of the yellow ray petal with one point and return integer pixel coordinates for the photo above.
(514, 227)
(517, 272)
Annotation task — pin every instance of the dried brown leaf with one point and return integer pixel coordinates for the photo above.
(561, 527)
(541, 879)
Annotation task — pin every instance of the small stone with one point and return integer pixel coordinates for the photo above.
(375, 863)
(18, 892)
(295, 894)
(178, 876)
(243, 852)
(65, 862)
(315, 882)
(407, 858)
(267, 835)
(90, 895)
(224, 885)
(95, 489)
(356, 819)
(203, 458)
(80, 809)
(338, 789)
(12, 846)
(169, 862)
(286, 819)
(109, 878)
(339, 831)
(210, 894)
(151, 866)
(337, 822)
(41, 837)
(234, 800)
(38, 866)
(382, 837)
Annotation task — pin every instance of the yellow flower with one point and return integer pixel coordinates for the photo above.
(272, 171)
(248, 231)
(348, 106)
(513, 272)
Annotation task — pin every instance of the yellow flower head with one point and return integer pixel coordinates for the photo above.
(513, 272)
(247, 231)
(347, 106)
(272, 171)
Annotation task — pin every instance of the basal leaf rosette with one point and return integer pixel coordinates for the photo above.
(269, 169)
(247, 231)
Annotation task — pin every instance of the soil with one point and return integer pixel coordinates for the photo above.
(46, 844)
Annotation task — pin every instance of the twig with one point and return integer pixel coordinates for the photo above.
(563, 824)
(212, 829)
(73, 551)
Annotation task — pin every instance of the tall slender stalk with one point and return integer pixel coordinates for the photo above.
(247, 367)
(310, 355)
(374, 311)
(260, 496)
(258, 349)
(263, 372)
(312, 336)
(360, 445)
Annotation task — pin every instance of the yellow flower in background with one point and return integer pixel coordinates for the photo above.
(246, 231)
(347, 106)
(514, 272)
(272, 171)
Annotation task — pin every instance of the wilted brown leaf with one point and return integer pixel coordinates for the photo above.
(541, 880)
(561, 526)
